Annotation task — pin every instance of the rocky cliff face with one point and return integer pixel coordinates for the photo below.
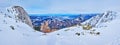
(19, 14)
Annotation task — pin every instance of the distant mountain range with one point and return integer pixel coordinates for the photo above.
(58, 21)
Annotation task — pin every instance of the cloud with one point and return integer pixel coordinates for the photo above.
(63, 6)
(77, 6)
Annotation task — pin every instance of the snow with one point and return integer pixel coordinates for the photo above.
(25, 35)
(17, 36)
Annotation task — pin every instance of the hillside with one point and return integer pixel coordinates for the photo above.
(19, 33)
(15, 33)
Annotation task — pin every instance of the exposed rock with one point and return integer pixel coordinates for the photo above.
(77, 34)
(98, 33)
(58, 34)
(18, 13)
(45, 28)
(12, 27)
(86, 27)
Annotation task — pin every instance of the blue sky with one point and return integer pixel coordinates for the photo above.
(63, 6)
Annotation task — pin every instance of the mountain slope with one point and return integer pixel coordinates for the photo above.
(19, 14)
(102, 18)
(19, 33)
(109, 35)
(15, 33)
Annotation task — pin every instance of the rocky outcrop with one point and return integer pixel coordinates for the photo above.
(19, 14)
(45, 28)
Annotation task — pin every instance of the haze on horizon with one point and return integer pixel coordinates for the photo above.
(63, 6)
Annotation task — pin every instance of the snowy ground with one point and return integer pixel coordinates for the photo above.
(22, 34)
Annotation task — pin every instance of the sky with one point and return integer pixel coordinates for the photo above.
(63, 6)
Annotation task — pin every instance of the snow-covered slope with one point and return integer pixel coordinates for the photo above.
(101, 18)
(108, 35)
(18, 33)
(15, 33)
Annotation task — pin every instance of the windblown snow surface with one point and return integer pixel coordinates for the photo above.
(18, 33)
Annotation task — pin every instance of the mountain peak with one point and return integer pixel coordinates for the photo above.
(19, 14)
